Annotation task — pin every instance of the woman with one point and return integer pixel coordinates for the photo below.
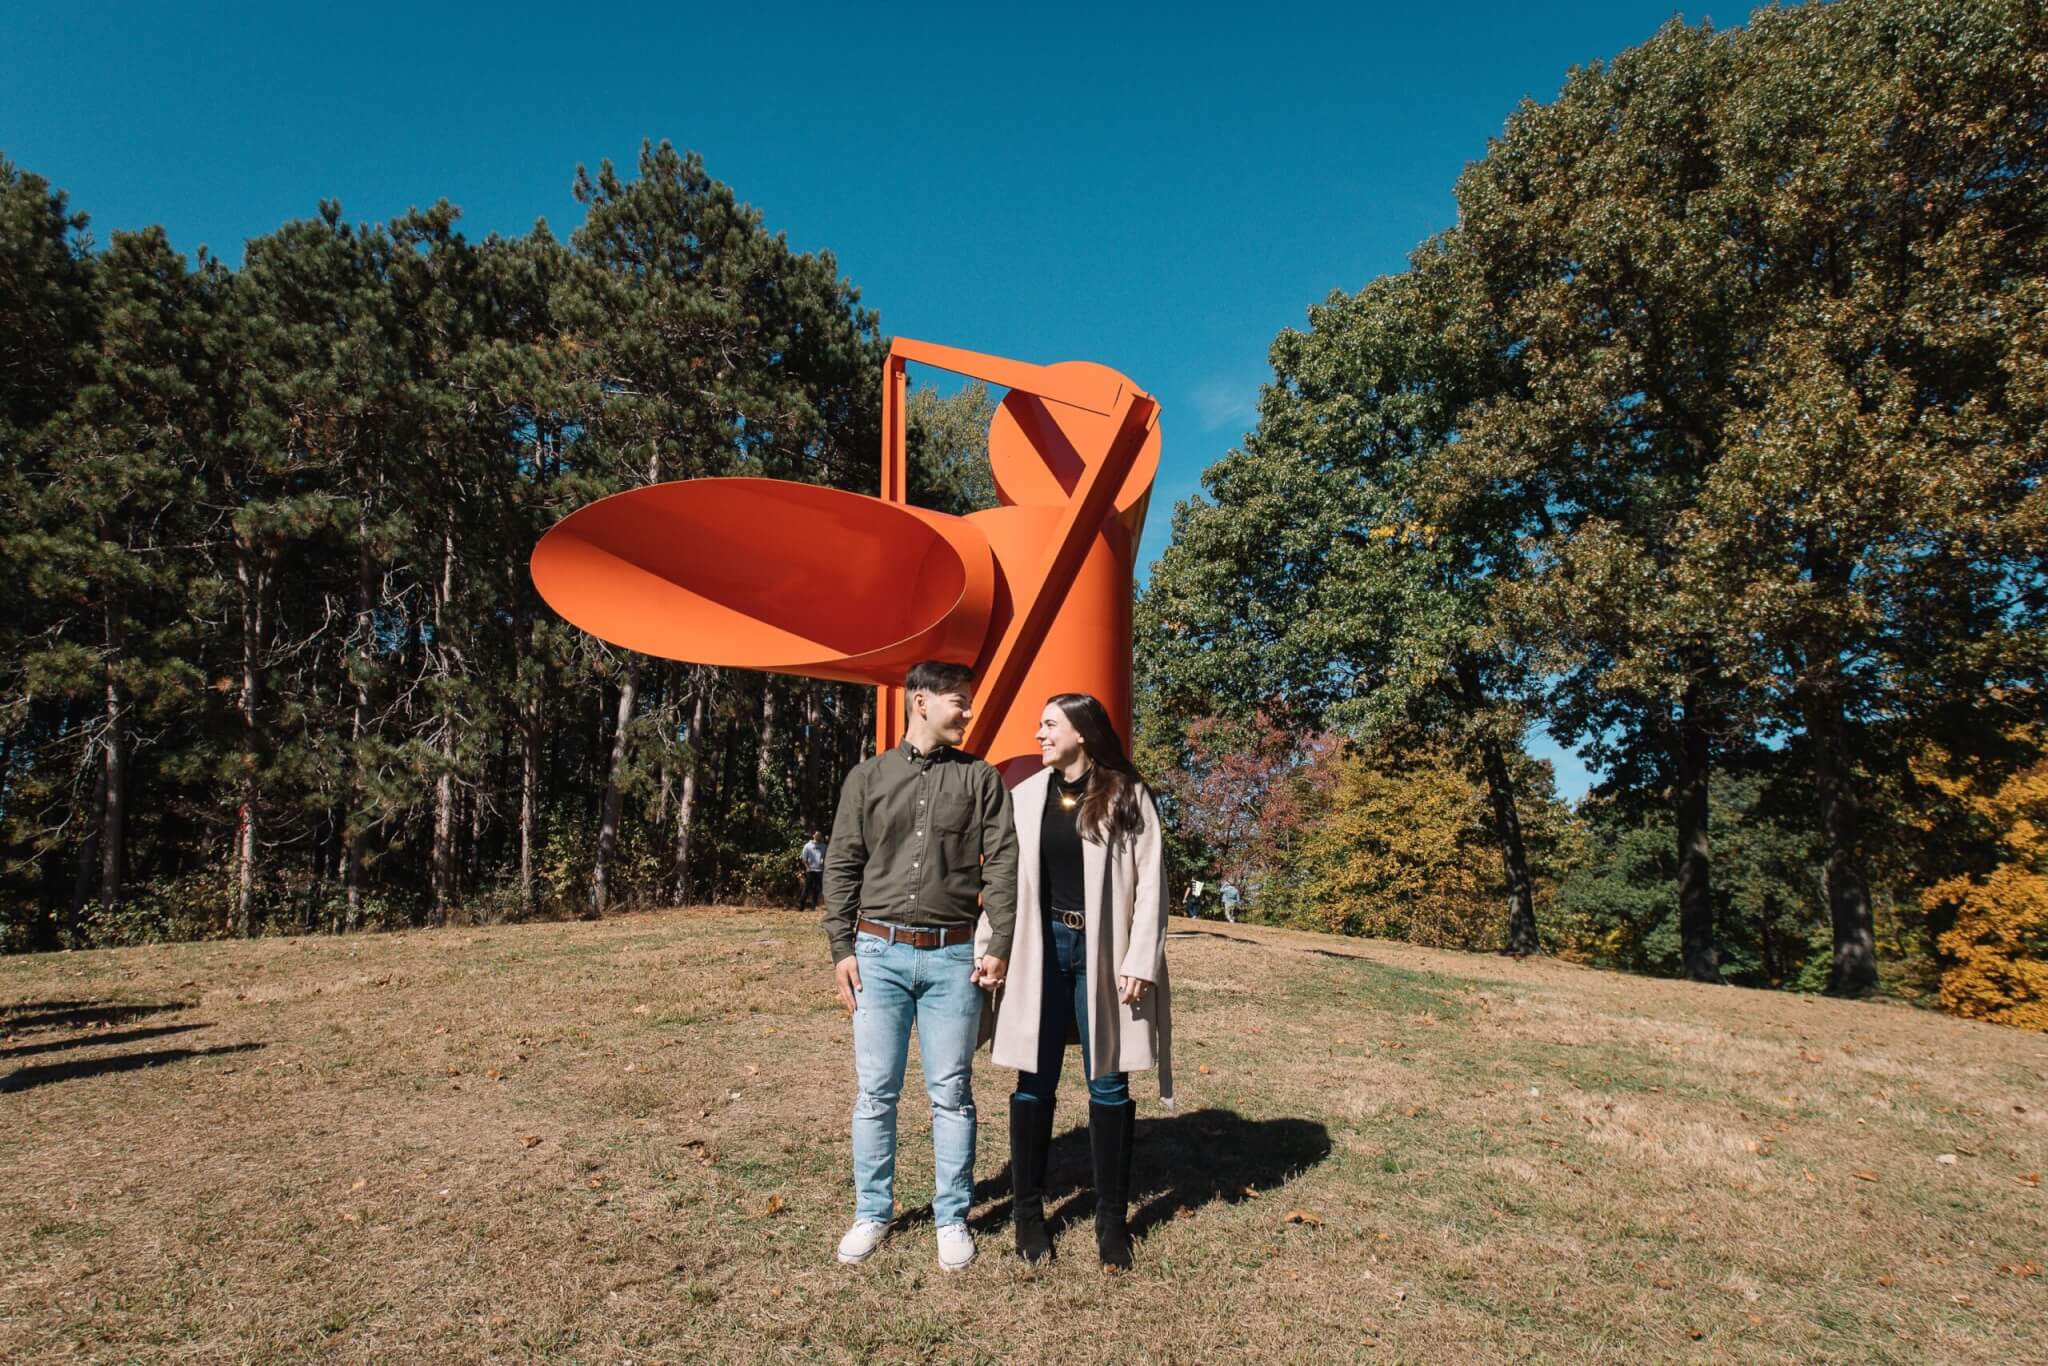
(1087, 963)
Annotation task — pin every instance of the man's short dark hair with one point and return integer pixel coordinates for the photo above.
(937, 676)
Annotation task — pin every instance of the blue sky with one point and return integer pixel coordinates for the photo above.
(1160, 188)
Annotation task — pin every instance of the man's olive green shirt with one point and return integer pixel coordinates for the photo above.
(923, 840)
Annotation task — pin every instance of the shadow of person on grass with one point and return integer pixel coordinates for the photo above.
(79, 1014)
(102, 1040)
(1180, 1161)
(43, 1074)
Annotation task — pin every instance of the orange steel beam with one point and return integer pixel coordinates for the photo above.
(1083, 520)
(895, 489)
(1087, 392)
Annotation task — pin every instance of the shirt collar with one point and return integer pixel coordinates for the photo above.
(912, 754)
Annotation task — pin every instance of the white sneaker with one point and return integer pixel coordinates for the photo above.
(956, 1247)
(861, 1240)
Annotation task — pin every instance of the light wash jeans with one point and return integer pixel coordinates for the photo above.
(932, 988)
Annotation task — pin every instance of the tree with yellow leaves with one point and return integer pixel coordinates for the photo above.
(1998, 945)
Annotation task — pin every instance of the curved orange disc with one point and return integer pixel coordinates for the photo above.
(1038, 450)
(764, 574)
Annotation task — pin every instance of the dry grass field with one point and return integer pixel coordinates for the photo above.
(627, 1141)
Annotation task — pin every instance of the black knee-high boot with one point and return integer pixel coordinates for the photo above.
(1109, 1137)
(1030, 1138)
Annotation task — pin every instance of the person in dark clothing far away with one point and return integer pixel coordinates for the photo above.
(813, 858)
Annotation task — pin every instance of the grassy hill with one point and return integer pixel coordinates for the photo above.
(628, 1140)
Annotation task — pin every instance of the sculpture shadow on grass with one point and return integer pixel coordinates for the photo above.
(1182, 1161)
(44, 1074)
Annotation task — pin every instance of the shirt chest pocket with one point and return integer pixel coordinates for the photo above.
(952, 812)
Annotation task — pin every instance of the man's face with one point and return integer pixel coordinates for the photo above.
(948, 713)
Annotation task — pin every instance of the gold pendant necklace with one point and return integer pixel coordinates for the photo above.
(1070, 800)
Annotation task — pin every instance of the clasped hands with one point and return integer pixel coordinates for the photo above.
(988, 973)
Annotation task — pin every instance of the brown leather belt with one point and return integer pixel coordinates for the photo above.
(917, 939)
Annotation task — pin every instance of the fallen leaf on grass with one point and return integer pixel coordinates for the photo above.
(1663, 1283)
(1960, 1299)
(2028, 1178)
(1865, 1174)
(360, 1184)
(1203, 1069)
(529, 1140)
(774, 1205)
(1302, 1216)
(1248, 1192)
(640, 1010)
(1887, 1282)
(1946, 1159)
(597, 1183)
(2023, 1270)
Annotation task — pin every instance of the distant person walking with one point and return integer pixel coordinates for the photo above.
(1230, 899)
(814, 871)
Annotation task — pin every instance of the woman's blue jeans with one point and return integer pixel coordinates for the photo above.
(1065, 994)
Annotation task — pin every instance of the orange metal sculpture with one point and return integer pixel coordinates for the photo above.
(798, 579)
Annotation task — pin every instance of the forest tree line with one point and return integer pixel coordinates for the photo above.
(1710, 437)
(272, 656)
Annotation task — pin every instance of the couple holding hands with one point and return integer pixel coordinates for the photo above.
(1035, 918)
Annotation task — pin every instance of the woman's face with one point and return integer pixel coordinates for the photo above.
(1059, 744)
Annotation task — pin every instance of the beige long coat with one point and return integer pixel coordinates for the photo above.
(1126, 888)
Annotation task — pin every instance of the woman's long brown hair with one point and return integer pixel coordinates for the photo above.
(1110, 812)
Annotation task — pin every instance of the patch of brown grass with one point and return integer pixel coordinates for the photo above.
(628, 1141)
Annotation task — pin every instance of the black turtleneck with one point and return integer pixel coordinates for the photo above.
(1059, 845)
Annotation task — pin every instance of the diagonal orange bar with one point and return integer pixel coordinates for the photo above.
(1077, 531)
(1086, 392)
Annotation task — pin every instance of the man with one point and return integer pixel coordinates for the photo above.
(814, 871)
(923, 834)
(1229, 895)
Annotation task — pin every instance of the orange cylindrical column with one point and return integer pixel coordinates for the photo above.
(1088, 647)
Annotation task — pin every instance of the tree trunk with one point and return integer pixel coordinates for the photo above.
(1854, 971)
(1690, 761)
(608, 820)
(1514, 858)
(764, 755)
(529, 800)
(255, 581)
(686, 804)
(442, 880)
(1507, 820)
(356, 831)
(113, 815)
